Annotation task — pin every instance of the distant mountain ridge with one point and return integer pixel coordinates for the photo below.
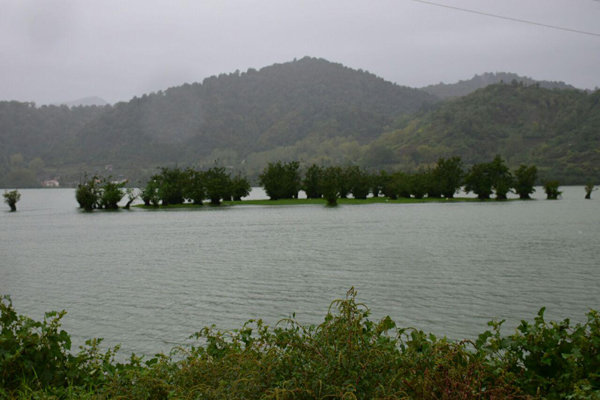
(252, 111)
(558, 130)
(465, 87)
(310, 110)
(85, 102)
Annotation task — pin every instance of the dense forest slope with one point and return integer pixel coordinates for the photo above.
(309, 110)
(226, 117)
(558, 130)
(255, 111)
(34, 140)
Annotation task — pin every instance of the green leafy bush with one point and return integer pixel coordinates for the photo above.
(549, 358)
(347, 356)
(551, 189)
(35, 355)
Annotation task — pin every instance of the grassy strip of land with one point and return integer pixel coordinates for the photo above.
(349, 201)
(347, 356)
(370, 200)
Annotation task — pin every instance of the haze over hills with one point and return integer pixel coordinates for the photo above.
(85, 101)
(557, 130)
(465, 87)
(310, 110)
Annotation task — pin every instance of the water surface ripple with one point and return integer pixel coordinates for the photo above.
(150, 279)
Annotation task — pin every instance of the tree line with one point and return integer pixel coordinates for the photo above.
(283, 180)
(171, 186)
(102, 193)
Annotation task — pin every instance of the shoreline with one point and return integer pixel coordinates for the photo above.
(348, 201)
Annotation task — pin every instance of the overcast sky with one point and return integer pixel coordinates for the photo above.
(61, 50)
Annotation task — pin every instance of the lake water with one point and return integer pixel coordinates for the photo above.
(149, 279)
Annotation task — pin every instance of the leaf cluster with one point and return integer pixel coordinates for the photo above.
(11, 198)
(281, 180)
(173, 186)
(347, 356)
(36, 356)
(553, 359)
(495, 177)
(99, 193)
(551, 189)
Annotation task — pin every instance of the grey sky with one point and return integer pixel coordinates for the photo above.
(60, 50)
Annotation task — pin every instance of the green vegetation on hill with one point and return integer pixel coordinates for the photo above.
(347, 356)
(35, 141)
(309, 110)
(228, 117)
(558, 130)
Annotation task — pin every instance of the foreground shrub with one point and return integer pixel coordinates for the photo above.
(549, 358)
(35, 356)
(347, 356)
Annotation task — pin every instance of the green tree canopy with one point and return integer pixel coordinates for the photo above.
(502, 179)
(479, 181)
(525, 177)
(218, 185)
(88, 194)
(240, 187)
(449, 173)
(171, 183)
(312, 182)
(551, 189)
(281, 180)
(360, 182)
(11, 198)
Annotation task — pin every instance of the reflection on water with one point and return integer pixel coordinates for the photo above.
(150, 279)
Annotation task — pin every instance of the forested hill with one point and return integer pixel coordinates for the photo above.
(309, 110)
(256, 111)
(34, 140)
(230, 116)
(558, 130)
(465, 87)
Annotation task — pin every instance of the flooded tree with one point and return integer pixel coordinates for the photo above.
(479, 181)
(281, 180)
(448, 175)
(218, 185)
(11, 198)
(525, 178)
(589, 188)
(88, 193)
(99, 193)
(312, 183)
(240, 187)
(331, 185)
(551, 189)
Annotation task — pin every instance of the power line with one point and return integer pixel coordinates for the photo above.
(524, 21)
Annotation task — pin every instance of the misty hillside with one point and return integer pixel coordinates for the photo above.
(35, 138)
(255, 110)
(85, 101)
(558, 130)
(465, 87)
(309, 110)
